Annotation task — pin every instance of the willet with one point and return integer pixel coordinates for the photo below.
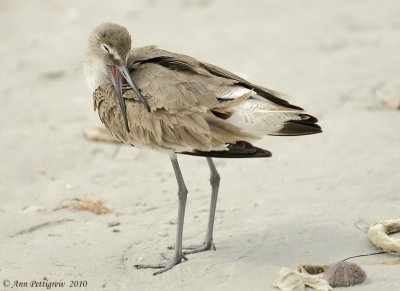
(151, 98)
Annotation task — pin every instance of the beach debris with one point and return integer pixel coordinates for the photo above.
(344, 274)
(162, 233)
(388, 94)
(53, 74)
(292, 280)
(392, 262)
(32, 208)
(94, 206)
(99, 134)
(114, 223)
(365, 255)
(320, 277)
(69, 187)
(312, 269)
(379, 232)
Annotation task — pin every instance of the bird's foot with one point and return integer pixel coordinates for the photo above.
(164, 266)
(205, 246)
(192, 249)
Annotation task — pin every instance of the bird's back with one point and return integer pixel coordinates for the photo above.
(197, 108)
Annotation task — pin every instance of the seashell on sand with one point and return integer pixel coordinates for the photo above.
(344, 274)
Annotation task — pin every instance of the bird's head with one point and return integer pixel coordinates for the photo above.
(105, 61)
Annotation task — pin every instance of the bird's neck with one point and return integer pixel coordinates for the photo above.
(96, 73)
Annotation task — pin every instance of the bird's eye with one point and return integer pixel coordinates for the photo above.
(106, 48)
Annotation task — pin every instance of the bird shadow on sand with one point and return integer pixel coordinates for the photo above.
(282, 244)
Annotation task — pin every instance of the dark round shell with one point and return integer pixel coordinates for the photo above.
(344, 274)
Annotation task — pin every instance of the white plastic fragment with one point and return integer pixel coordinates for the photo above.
(291, 280)
(379, 232)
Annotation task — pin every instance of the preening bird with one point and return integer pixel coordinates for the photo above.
(155, 99)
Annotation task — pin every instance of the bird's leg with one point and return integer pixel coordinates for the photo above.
(182, 195)
(208, 240)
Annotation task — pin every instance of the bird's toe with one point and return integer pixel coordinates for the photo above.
(164, 266)
(205, 246)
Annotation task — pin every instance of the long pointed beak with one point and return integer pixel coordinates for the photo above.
(116, 77)
(117, 82)
(127, 76)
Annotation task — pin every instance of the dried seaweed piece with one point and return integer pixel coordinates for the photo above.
(99, 134)
(94, 206)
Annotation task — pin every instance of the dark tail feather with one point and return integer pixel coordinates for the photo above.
(240, 149)
(307, 125)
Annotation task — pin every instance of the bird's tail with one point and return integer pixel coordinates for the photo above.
(304, 126)
(260, 116)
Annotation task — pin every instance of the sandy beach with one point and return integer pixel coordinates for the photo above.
(339, 60)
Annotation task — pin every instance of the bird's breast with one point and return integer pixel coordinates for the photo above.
(143, 133)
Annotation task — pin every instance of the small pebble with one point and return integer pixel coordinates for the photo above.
(53, 75)
(163, 234)
(113, 223)
(344, 274)
(69, 187)
(172, 221)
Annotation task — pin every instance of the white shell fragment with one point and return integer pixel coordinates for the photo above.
(291, 280)
(388, 93)
(378, 235)
(344, 274)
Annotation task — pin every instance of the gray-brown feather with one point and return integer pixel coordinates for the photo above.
(165, 128)
(183, 94)
(219, 75)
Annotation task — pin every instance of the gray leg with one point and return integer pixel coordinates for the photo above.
(182, 195)
(208, 240)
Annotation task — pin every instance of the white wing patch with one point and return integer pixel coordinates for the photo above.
(258, 115)
(233, 92)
